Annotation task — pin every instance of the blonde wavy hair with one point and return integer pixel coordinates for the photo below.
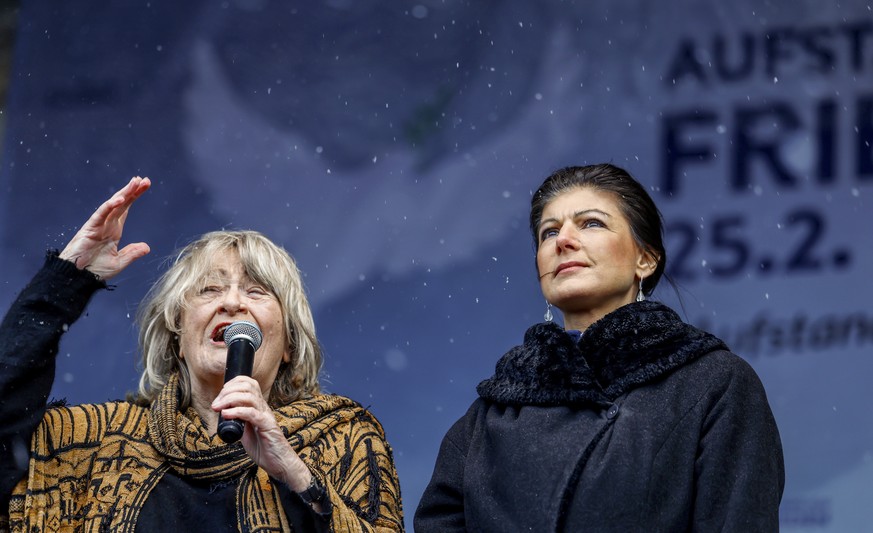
(160, 313)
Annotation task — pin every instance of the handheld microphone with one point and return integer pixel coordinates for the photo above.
(242, 339)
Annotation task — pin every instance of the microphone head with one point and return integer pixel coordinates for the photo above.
(242, 329)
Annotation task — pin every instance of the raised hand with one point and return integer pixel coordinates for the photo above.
(95, 245)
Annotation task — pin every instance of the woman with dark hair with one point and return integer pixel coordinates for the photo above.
(625, 419)
(304, 461)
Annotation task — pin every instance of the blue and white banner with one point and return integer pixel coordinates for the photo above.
(392, 149)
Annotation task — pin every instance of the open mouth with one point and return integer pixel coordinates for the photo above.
(218, 332)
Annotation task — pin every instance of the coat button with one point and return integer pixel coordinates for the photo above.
(612, 412)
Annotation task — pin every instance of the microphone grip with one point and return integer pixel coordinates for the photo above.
(240, 359)
(230, 431)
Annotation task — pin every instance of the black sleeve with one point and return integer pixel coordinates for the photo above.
(441, 508)
(29, 338)
(301, 515)
(740, 472)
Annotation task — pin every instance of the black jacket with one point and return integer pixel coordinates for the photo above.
(646, 424)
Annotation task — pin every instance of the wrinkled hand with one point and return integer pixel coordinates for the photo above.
(241, 399)
(95, 245)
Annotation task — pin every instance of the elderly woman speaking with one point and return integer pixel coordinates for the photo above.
(306, 461)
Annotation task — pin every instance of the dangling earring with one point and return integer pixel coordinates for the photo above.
(548, 316)
(640, 296)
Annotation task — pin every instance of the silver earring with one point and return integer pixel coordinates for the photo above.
(548, 316)
(640, 296)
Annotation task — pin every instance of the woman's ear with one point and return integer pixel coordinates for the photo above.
(647, 263)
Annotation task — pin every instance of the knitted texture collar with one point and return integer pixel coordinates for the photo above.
(636, 344)
(184, 441)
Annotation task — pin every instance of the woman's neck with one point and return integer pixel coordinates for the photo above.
(581, 321)
(582, 318)
(201, 401)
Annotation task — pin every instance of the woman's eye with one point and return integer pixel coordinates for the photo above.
(258, 291)
(551, 232)
(593, 223)
(209, 289)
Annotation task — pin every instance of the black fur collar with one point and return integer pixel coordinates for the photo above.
(635, 344)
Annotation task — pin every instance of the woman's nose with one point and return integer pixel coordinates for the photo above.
(232, 301)
(567, 238)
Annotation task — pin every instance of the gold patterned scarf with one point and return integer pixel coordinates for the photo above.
(92, 466)
(184, 442)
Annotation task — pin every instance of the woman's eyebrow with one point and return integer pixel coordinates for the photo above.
(589, 211)
(577, 214)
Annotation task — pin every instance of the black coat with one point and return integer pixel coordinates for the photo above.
(647, 424)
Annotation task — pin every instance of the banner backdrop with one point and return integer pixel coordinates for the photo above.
(393, 149)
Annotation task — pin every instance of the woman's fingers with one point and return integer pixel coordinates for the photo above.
(241, 391)
(131, 253)
(241, 399)
(95, 245)
(116, 206)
